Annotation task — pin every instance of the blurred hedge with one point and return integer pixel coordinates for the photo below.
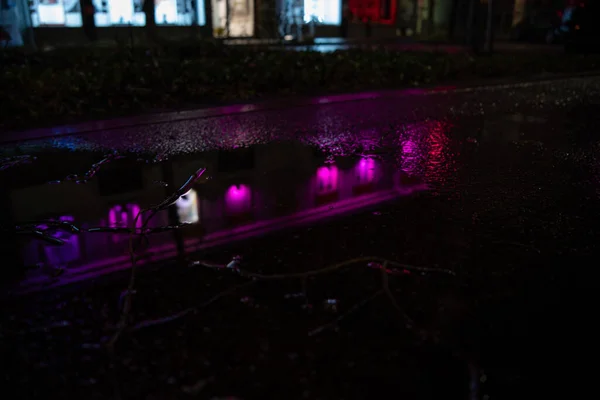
(76, 84)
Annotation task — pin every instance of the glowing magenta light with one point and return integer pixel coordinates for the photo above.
(365, 170)
(327, 179)
(59, 256)
(123, 217)
(112, 216)
(238, 199)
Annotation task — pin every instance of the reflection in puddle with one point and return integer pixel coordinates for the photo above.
(246, 192)
(123, 217)
(187, 208)
(63, 254)
(366, 171)
(327, 184)
(285, 185)
(238, 199)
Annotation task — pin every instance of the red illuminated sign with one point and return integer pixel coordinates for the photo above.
(378, 11)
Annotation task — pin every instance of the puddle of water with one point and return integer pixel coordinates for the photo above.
(251, 191)
(244, 193)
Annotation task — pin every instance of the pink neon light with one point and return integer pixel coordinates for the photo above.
(327, 179)
(112, 216)
(164, 251)
(120, 217)
(68, 252)
(365, 170)
(238, 199)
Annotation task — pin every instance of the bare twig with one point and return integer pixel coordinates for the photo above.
(191, 310)
(122, 324)
(130, 289)
(380, 263)
(410, 324)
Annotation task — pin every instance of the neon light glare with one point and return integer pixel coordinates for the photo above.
(327, 179)
(238, 199)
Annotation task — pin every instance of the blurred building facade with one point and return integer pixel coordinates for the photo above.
(58, 21)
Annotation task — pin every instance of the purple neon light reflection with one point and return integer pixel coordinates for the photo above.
(238, 199)
(119, 217)
(365, 170)
(68, 252)
(327, 179)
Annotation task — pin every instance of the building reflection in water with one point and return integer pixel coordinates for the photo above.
(65, 254)
(365, 171)
(425, 152)
(327, 179)
(438, 160)
(327, 184)
(187, 208)
(238, 204)
(124, 217)
(219, 212)
(238, 199)
(410, 158)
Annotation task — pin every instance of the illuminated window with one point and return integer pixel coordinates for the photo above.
(232, 18)
(179, 12)
(55, 13)
(119, 12)
(327, 12)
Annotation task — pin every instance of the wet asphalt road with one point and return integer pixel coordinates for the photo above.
(512, 203)
(350, 127)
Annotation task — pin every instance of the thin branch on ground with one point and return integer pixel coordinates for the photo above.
(372, 262)
(376, 262)
(410, 324)
(188, 311)
(127, 304)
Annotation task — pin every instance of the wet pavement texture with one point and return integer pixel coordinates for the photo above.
(497, 185)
